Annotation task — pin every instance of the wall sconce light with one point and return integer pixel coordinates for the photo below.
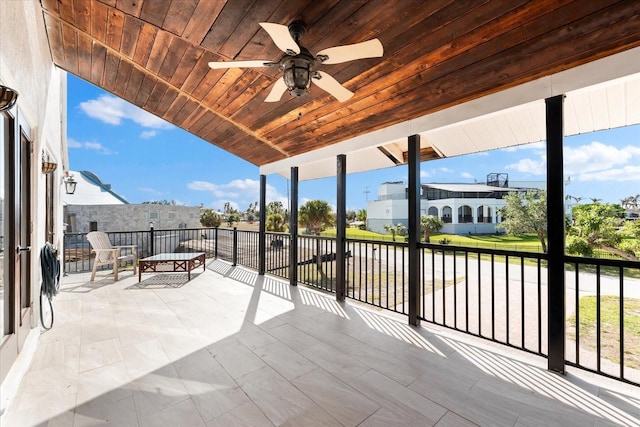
(8, 97)
(69, 183)
(47, 166)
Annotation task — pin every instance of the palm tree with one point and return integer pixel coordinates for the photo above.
(276, 222)
(397, 229)
(595, 199)
(430, 224)
(316, 215)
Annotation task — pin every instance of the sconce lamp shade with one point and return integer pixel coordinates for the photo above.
(48, 167)
(8, 97)
(70, 185)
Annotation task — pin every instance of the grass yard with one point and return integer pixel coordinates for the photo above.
(610, 328)
(527, 242)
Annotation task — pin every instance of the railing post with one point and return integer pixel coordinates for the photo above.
(414, 229)
(234, 257)
(215, 242)
(151, 240)
(262, 250)
(341, 226)
(556, 235)
(293, 229)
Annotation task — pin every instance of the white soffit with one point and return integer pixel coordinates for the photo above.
(600, 95)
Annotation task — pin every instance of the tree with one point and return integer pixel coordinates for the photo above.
(275, 208)
(209, 218)
(351, 215)
(252, 212)
(526, 213)
(316, 215)
(361, 215)
(397, 229)
(601, 226)
(161, 202)
(276, 222)
(430, 224)
(233, 217)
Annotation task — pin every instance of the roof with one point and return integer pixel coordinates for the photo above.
(465, 76)
(468, 188)
(90, 190)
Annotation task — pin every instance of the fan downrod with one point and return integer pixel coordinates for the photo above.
(297, 29)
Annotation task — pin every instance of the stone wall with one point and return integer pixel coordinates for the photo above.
(130, 217)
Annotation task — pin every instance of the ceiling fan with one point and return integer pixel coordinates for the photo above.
(298, 64)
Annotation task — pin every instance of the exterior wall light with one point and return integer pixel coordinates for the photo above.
(8, 97)
(69, 183)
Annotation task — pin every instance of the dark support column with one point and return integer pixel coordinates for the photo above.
(556, 234)
(293, 229)
(414, 229)
(234, 252)
(262, 251)
(341, 227)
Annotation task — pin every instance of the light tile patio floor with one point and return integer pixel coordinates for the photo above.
(231, 348)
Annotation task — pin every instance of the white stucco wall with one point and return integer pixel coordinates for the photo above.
(27, 67)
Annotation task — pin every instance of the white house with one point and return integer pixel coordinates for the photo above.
(464, 208)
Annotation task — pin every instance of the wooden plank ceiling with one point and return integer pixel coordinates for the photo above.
(437, 53)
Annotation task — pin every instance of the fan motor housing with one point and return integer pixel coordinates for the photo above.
(297, 71)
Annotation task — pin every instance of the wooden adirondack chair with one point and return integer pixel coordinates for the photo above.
(107, 254)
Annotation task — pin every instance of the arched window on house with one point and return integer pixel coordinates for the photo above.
(433, 211)
(465, 214)
(447, 215)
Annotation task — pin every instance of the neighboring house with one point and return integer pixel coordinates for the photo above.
(96, 206)
(33, 154)
(464, 208)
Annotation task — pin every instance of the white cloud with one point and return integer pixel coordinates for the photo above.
(445, 170)
(425, 174)
(589, 162)
(146, 134)
(626, 173)
(466, 175)
(90, 145)
(530, 166)
(72, 143)
(596, 157)
(113, 111)
(239, 192)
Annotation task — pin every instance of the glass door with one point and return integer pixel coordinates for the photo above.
(15, 239)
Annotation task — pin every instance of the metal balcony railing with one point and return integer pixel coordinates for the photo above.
(494, 294)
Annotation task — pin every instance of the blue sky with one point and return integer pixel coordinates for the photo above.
(145, 158)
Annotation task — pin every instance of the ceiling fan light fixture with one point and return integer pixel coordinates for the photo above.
(297, 75)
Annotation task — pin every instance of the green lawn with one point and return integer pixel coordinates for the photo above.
(610, 327)
(528, 242)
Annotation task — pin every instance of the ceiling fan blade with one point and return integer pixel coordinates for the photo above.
(349, 52)
(240, 64)
(281, 37)
(277, 90)
(332, 86)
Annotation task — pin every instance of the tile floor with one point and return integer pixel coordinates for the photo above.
(230, 348)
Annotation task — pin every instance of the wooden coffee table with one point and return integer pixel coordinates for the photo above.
(165, 263)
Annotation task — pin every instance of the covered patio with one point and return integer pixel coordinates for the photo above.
(231, 347)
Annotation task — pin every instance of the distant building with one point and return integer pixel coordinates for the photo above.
(95, 206)
(464, 208)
